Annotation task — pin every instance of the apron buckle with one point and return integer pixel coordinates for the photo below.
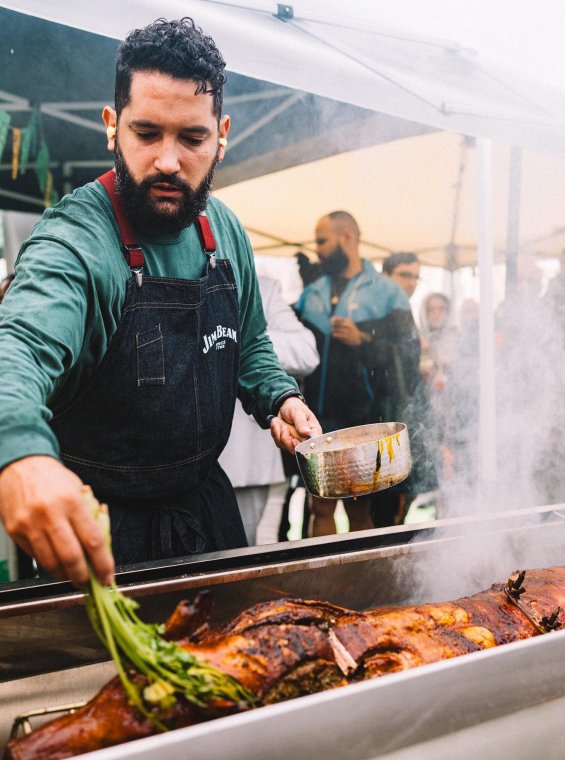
(138, 274)
(212, 260)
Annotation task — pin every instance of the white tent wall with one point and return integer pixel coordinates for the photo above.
(415, 194)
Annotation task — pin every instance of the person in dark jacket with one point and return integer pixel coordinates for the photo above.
(368, 346)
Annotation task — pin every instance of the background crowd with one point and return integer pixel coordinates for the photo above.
(361, 355)
(363, 358)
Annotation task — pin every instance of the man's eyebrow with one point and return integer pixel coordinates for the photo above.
(196, 129)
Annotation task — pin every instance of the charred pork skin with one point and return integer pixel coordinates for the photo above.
(105, 721)
(287, 648)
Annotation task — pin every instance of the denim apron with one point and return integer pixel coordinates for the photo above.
(147, 431)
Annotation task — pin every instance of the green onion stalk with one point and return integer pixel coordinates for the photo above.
(170, 670)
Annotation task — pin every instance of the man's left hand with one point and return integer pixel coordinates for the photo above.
(293, 424)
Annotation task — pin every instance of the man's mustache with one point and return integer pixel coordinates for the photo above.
(167, 179)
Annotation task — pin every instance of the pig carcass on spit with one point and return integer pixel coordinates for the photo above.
(288, 648)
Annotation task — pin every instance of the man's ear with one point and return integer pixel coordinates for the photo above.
(346, 237)
(110, 121)
(225, 125)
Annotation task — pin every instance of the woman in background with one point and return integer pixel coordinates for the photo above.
(438, 336)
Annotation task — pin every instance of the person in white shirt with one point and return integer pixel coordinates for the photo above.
(253, 465)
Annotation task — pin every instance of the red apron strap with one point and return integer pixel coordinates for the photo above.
(205, 234)
(132, 250)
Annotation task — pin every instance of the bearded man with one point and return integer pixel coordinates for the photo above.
(369, 352)
(133, 322)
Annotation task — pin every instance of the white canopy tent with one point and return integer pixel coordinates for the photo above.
(490, 71)
(481, 69)
(478, 70)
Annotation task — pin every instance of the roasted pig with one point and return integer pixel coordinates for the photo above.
(287, 648)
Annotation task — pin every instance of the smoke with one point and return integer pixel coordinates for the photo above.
(529, 385)
(529, 424)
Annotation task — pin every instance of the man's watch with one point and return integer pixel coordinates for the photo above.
(281, 399)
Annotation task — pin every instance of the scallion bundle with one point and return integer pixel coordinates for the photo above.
(170, 670)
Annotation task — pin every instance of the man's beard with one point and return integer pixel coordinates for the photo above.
(335, 263)
(174, 215)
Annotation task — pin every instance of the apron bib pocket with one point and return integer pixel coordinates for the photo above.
(150, 357)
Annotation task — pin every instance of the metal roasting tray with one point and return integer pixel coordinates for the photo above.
(501, 689)
(49, 656)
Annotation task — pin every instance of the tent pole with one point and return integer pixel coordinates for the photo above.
(487, 383)
(513, 226)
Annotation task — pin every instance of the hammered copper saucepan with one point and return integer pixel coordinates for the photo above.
(355, 461)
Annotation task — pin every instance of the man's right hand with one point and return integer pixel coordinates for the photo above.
(43, 510)
(345, 330)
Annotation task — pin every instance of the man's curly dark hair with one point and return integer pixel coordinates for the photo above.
(177, 48)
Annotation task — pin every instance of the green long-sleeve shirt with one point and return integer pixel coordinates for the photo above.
(60, 314)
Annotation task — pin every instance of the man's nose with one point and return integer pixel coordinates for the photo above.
(167, 159)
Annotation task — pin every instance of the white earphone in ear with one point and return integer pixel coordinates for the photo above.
(111, 132)
(223, 142)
